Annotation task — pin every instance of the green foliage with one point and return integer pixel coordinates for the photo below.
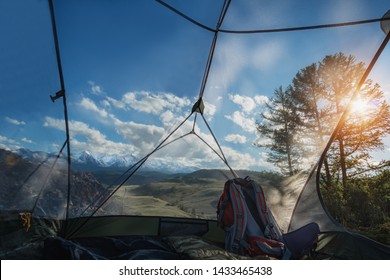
(365, 207)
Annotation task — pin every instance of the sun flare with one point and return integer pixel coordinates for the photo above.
(360, 106)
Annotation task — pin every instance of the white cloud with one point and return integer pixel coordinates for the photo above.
(247, 103)
(96, 89)
(24, 139)
(261, 99)
(189, 152)
(236, 138)
(143, 136)
(261, 140)
(246, 123)
(14, 121)
(142, 139)
(251, 161)
(8, 143)
(7, 140)
(174, 100)
(167, 117)
(116, 103)
(239, 160)
(95, 141)
(148, 102)
(139, 139)
(54, 123)
(167, 106)
(90, 105)
(105, 103)
(209, 110)
(154, 103)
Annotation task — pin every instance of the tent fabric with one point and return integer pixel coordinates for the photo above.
(350, 246)
(144, 225)
(309, 208)
(42, 242)
(18, 243)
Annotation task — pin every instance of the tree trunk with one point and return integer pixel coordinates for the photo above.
(288, 148)
(321, 136)
(342, 162)
(290, 168)
(327, 173)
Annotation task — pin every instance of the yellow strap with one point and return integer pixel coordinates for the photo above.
(26, 219)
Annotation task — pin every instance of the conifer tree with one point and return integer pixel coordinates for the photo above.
(308, 93)
(279, 124)
(312, 105)
(368, 121)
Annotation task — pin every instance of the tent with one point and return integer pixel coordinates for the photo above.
(120, 122)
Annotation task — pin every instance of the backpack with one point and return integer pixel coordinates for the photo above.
(250, 227)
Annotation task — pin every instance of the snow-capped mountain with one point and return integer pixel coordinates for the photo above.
(87, 161)
(84, 161)
(118, 161)
(86, 158)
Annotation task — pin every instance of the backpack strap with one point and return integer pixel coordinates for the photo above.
(240, 215)
(232, 214)
(268, 223)
(223, 200)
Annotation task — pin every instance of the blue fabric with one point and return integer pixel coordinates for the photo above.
(301, 240)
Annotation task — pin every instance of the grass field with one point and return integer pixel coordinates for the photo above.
(194, 195)
(128, 202)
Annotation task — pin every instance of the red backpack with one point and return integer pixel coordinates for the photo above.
(250, 226)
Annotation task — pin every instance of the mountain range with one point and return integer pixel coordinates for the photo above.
(110, 169)
(88, 162)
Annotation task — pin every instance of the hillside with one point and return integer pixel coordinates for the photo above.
(110, 176)
(197, 193)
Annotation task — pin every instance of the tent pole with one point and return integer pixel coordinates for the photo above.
(62, 94)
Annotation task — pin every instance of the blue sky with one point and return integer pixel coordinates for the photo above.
(133, 70)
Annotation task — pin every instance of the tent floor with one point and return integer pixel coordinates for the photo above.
(137, 248)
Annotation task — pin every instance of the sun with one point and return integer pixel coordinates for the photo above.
(360, 106)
